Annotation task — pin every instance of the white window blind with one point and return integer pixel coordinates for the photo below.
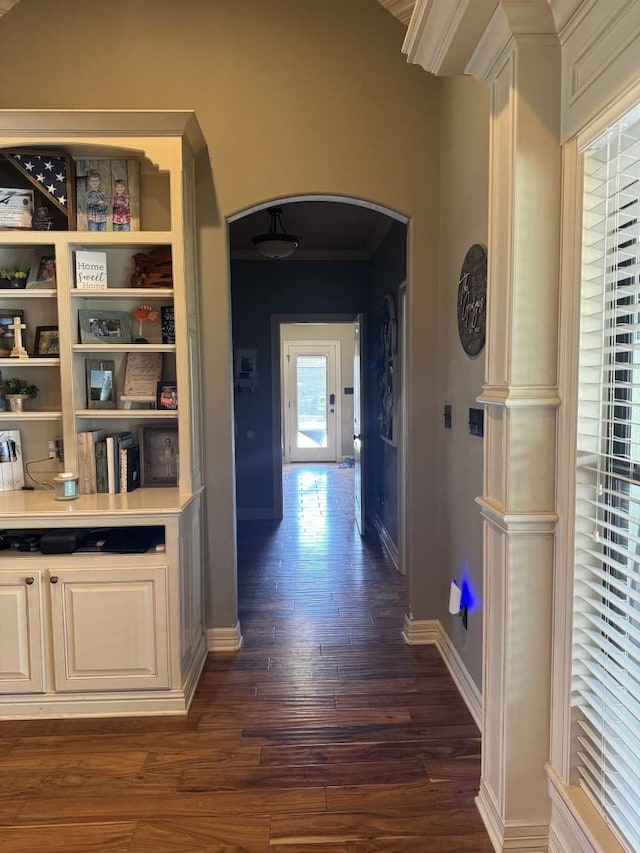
(606, 623)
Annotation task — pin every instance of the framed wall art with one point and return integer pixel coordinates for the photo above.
(7, 338)
(108, 195)
(104, 327)
(100, 383)
(159, 455)
(47, 344)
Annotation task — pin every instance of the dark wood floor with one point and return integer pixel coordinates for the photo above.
(324, 733)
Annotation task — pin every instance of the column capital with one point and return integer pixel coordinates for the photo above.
(514, 24)
(451, 37)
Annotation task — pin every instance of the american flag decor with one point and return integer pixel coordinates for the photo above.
(52, 174)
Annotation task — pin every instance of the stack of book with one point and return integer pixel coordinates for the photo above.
(107, 463)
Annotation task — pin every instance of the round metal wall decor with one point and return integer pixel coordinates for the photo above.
(472, 300)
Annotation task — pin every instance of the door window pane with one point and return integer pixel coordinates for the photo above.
(311, 395)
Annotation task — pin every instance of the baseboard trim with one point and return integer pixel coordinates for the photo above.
(510, 835)
(426, 631)
(224, 639)
(387, 542)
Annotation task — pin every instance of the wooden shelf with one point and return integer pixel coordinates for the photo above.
(124, 292)
(28, 293)
(78, 239)
(31, 416)
(129, 414)
(124, 347)
(29, 362)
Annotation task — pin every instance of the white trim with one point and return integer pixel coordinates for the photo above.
(224, 639)
(575, 822)
(431, 631)
(400, 9)
(442, 34)
(387, 542)
(523, 396)
(341, 199)
(517, 522)
(510, 835)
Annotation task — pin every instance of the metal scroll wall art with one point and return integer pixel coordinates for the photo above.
(388, 338)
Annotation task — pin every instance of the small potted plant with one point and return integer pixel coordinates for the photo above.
(14, 277)
(17, 391)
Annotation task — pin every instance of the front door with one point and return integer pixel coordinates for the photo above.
(311, 401)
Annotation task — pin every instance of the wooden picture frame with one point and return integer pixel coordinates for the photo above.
(104, 327)
(43, 276)
(101, 392)
(47, 343)
(47, 180)
(167, 395)
(7, 338)
(159, 456)
(108, 195)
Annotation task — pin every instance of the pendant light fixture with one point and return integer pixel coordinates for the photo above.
(276, 243)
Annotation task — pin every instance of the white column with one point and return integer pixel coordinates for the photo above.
(519, 56)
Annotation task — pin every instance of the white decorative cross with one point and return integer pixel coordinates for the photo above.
(18, 350)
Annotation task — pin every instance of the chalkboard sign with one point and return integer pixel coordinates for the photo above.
(168, 325)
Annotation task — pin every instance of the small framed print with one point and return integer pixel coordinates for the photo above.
(47, 343)
(104, 327)
(159, 455)
(7, 339)
(167, 396)
(100, 384)
(43, 276)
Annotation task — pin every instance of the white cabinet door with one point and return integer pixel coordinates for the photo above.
(20, 632)
(110, 628)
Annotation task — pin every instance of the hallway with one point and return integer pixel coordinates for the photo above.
(325, 732)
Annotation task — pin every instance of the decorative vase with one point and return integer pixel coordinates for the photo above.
(16, 401)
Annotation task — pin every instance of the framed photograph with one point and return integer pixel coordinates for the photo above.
(41, 189)
(159, 455)
(16, 209)
(168, 324)
(104, 327)
(7, 340)
(44, 275)
(167, 396)
(100, 384)
(47, 343)
(245, 368)
(108, 195)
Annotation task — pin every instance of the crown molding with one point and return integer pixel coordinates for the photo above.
(401, 9)
(442, 34)
(564, 11)
(5, 5)
(514, 23)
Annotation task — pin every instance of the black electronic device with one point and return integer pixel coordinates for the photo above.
(62, 541)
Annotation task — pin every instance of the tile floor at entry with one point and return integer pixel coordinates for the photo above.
(324, 733)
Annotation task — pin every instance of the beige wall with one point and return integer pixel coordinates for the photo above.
(342, 332)
(293, 96)
(464, 221)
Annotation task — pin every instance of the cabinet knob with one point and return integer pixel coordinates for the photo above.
(29, 581)
(53, 579)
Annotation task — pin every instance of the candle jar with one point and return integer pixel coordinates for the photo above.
(66, 486)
